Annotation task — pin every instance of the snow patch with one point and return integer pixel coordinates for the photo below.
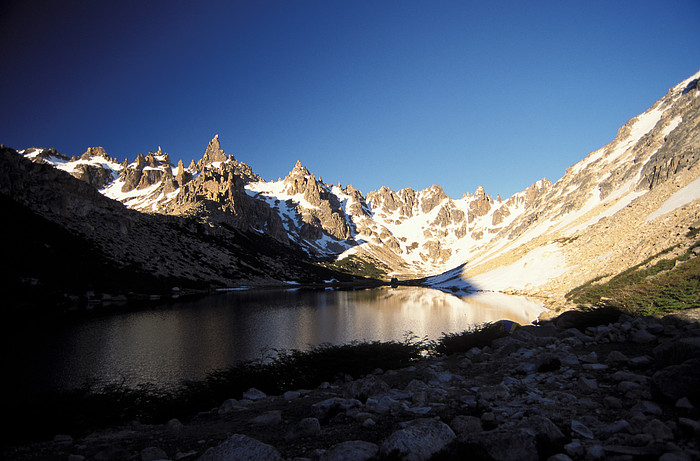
(688, 194)
(534, 269)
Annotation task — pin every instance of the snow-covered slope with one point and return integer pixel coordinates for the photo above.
(608, 211)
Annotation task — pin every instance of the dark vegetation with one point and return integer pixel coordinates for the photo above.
(47, 267)
(79, 411)
(668, 285)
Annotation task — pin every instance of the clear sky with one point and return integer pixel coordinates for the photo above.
(397, 93)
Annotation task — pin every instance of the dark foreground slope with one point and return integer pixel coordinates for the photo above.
(591, 386)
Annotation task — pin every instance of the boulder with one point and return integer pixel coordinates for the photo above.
(328, 408)
(353, 450)
(269, 418)
(678, 381)
(513, 444)
(240, 447)
(307, 427)
(674, 352)
(369, 386)
(418, 440)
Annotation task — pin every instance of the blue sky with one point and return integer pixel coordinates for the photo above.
(404, 93)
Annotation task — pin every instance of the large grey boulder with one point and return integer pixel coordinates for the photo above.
(240, 447)
(353, 450)
(678, 351)
(366, 387)
(419, 440)
(678, 381)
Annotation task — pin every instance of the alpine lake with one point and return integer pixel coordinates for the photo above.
(187, 339)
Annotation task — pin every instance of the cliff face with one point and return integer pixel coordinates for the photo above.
(598, 211)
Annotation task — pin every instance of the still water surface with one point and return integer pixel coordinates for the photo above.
(189, 339)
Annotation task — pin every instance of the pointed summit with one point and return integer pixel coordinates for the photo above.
(214, 153)
(299, 169)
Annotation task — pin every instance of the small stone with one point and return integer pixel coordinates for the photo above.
(229, 405)
(465, 427)
(307, 427)
(626, 386)
(595, 366)
(112, 453)
(369, 422)
(684, 403)
(508, 444)
(643, 361)
(579, 428)
(616, 358)
(420, 411)
(689, 425)
(291, 395)
(643, 337)
(269, 418)
(153, 454)
(575, 449)
(254, 394)
(612, 402)
(497, 392)
(328, 408)
(658, 430)
(587, 385)
(649, 408)
(63, 439)
(559, 457)
(595, 452)
(174, 425)
(674, 456)
(619, 426)
(589, 358)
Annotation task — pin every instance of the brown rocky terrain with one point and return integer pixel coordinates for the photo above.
(624, 389)
(199, 251)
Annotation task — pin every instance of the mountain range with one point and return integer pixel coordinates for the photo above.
(216, 223)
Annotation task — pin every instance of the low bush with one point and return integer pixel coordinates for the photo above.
(452, 343)
(668, 285)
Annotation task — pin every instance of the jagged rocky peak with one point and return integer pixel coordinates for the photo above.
(384, 199)
(299, 170)
(432, 197)
(481, 203)
(91, 152)
(301, 181)
(214, 153)
(537, 189)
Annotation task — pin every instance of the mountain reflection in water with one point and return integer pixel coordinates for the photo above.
(189, 339)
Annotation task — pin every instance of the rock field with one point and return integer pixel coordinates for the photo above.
(625, 390)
